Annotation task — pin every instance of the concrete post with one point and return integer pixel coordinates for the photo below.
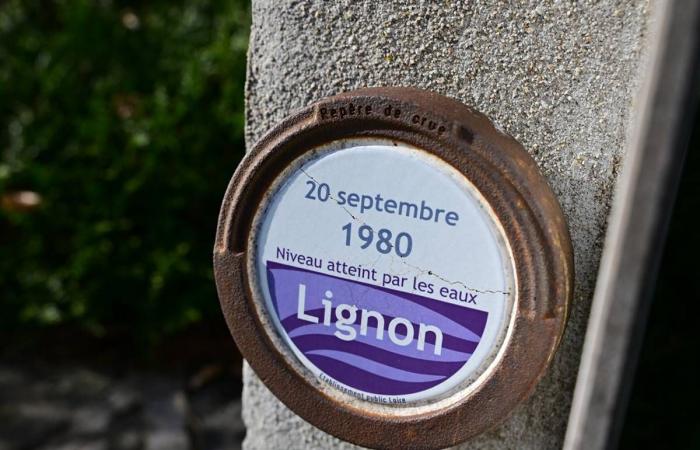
(639, 218)
(559, 77)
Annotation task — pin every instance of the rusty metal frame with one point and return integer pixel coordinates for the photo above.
(510, 182)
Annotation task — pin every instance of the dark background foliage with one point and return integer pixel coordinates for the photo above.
(126, 119)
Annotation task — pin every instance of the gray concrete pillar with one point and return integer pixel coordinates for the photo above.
(560, 77)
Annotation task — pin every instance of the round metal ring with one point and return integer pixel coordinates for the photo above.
(509, 181)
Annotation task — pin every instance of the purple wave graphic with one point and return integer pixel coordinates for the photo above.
(447, 355)
(373, 366)
(465, 344)
(312, 343)
(374, 361)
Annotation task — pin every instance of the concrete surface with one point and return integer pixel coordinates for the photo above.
(560, 77)
(640, 214)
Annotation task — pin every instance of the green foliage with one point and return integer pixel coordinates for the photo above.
(127, 120)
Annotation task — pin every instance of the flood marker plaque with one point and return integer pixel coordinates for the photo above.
(394, 268)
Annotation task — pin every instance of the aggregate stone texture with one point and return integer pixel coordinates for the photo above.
(560, 77)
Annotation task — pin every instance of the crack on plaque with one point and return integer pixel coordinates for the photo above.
(453, 283)
(330, 195)
(410, 266)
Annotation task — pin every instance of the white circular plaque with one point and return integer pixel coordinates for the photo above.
(384, 270)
